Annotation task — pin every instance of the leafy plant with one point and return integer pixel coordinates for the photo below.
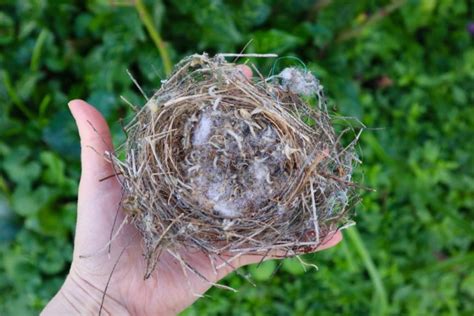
(404, 68)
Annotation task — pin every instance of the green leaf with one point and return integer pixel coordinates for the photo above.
(61, 134)
(55, 168)
(274, 41)
(8, 225)
(263, 271)
(53, 221)
(18, 169)
(7, 29)
(27, 202)
(293, 266)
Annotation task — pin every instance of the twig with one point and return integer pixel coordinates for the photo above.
(248, 55)
(135, 82)
(110, 278)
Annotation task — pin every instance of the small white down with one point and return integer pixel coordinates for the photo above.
(203, 130)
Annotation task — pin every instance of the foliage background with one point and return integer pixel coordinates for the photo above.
(405, 68)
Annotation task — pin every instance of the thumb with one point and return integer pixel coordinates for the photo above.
(95, 141)
(97, 200)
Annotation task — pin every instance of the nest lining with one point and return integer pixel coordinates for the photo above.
(228, 165)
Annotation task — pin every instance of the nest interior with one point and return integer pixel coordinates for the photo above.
(230, 165)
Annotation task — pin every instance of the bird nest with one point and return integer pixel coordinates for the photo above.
(229, 165)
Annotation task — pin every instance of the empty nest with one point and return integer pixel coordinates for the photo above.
(229, 165)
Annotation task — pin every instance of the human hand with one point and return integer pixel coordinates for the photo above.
(168, 290)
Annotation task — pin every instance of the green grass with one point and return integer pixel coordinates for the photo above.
(403, 68)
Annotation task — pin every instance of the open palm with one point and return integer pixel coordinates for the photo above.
(169, 289)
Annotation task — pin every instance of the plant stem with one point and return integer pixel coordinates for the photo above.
(154, 34)
(318, 6)
(374, 18)
(381, 307)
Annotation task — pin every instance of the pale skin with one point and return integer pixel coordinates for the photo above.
(169, 290)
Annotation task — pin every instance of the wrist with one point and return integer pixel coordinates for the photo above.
(79, 297)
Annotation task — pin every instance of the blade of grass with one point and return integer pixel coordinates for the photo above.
(36, 55)
(381, 301)
(155, 36)
(14, 97)
(44, 105)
